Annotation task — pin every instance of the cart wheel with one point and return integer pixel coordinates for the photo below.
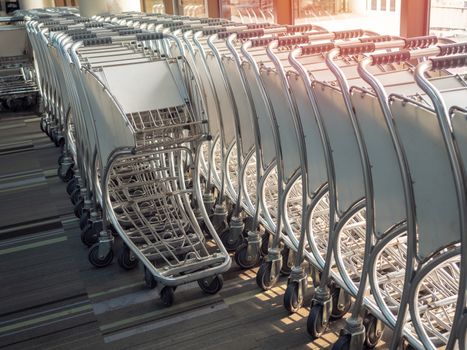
(84, 219)
(56, 140)
(241, 257)
(221, 227)
(96, 261)
(374, 329)
(78, 208)
(230, 243)
(291, 301)
(43, 124)
(72, 185)
(149, 279)
(339, 310)
(265, 243)
(47, 129)
(75, 196)
(60, 142)
(167, 296)
(314, 323)
(343, 343)
(248, 222)
(263, 278)
(67, 176)
(285, 269)
(126, 260)
(211, 285)
(89, 236)
(60, 159)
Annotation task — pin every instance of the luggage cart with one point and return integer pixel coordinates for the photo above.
(275, 82)
(432, 302)
(144, 177)
(348, 233)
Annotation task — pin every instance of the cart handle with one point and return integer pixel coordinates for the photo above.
(82, 36)
(447, 62)
(406, 55)
(57, 28)
(97, 41)
(374, 43)
(93, 25)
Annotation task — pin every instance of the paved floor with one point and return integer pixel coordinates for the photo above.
(52, 298)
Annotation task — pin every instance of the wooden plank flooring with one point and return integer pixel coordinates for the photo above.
(52, 298)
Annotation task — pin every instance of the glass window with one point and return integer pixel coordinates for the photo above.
(195, 8)
(154, 6)
(248, 11)
(380, 16)
(448, 19)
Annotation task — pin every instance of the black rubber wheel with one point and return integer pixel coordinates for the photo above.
(149, 279)
(248, 224)
(60, 159)
(167, 296)
(211, 285)
(221, 227)
(56, 140)
(230, 244)
(78, 208)
(93, 257)
(265, 243)
(60, 142)
(75, 196)
(42, 124)
(126, 260)
(241, 257)
(314, 323)
(291, 301)
(343, 343)
(72, 185)
(339, 311)
(47, 129)
(67, 176)
(263, 276)
(374, 330)
(84, 219)
(285, 269)
(89, 236)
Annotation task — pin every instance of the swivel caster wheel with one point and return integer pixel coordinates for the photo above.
(374, 330)
(167, 296)
(243, 260)
(264, 277)
(339, 309)
(149, 279)
(75, 196)
(72, 185)
(60, 142)
(265, 243)
(60, 159)
(126, 259)
(230, 242)
(96, 261)
(211, 285)
(285, 269)
(314, 325)
(89, 236)
(292, 302)
(84, 219)
(343, 343)
(63, 175)
(43, 124)
(78, 208)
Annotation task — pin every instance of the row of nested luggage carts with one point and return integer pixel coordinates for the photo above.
(331, 157)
